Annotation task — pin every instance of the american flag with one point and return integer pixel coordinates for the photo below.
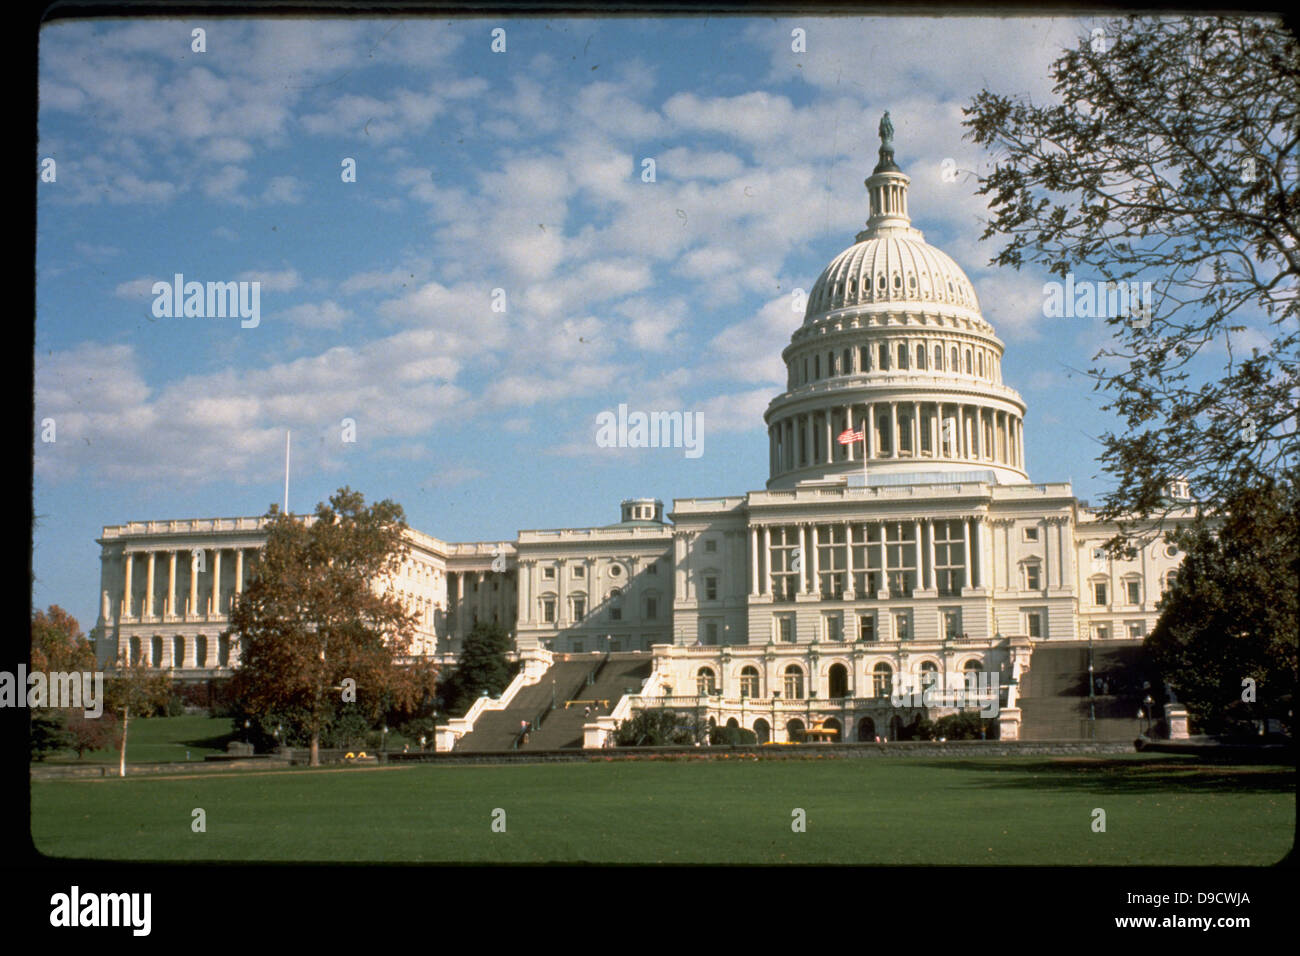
(850, 436)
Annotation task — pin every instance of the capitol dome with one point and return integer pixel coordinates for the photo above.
(894, 348)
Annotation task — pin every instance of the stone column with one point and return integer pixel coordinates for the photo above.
(194, 582)
(753, 561)
(933, 578)
(965, 555)
(870, 425)
(149, 585)
(816, 561)
(916, 430)
(884, 559)
(893, 425)
(918, 550)
(803, 554)
(239, 570)
(977, 555)
(830, 453)
(216, 580)
(850, 591)
(171, 583)
(767, 556)
(129, 558)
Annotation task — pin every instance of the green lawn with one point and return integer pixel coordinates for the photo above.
(1023, 810)
(162, 739)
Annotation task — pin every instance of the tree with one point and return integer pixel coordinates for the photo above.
(49, 733)
(134, 689)
(91, 733)
(58, 644)
(319, 619)
(482, 667)
(1231, 617)
(1170, 158)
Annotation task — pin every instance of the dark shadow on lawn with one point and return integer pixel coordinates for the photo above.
(1102, 774)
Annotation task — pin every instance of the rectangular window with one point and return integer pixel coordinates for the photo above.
(952, 624)
(1134, 592)
(785, 629)
(710, 589)
(1034, 623)
(1099, 593)
(902, 626)
(900, 557)
(711, 546)
(867, 627)
(831, 559)
(833, 632)
(1031, 577)
(577, 647)
(579, 609)
(1101, 632)
(949, 565)
(1137, 629)
(616, 614)
(579, 571)
(548, 612)
(711, 633)
(653, 568)
(785, 580)
(548, 573)
(615, 645)
(1031, 534)
(651, 608)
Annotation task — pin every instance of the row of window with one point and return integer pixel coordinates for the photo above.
(580, 570)
(885, 356)
(614, 607)
(1033, 621)
(882, 680)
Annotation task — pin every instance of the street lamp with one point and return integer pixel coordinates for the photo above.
(383, 745)
(1092, 686)
(1148, 701)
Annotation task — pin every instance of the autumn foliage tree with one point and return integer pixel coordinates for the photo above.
(134, 690)
(58, 646)
(316, 625)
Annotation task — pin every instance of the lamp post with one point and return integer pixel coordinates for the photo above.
(1148, 701)
(383, 740)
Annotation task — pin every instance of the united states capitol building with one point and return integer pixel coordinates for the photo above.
(916, 553)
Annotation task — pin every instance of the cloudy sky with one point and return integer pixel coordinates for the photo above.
(477, 170)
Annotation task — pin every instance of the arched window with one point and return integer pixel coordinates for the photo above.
(938, 358)
(971, 671)
(749, 681)
(981, 364)
(929, 674)
(706, 682)
(920, 356)
(902, 356)
(1170, 577)
(847, 365)
(954, 365)
(882, 680)
(970, 365)
(794, 682)
(864, 357)
(884, 356)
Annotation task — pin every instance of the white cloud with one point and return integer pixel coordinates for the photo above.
(316, 315)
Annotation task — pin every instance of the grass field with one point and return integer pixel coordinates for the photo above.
(161, 739)
(1021, 810)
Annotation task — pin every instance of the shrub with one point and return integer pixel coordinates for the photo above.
(732, 737)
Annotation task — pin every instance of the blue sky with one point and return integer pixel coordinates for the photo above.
(477, 171)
